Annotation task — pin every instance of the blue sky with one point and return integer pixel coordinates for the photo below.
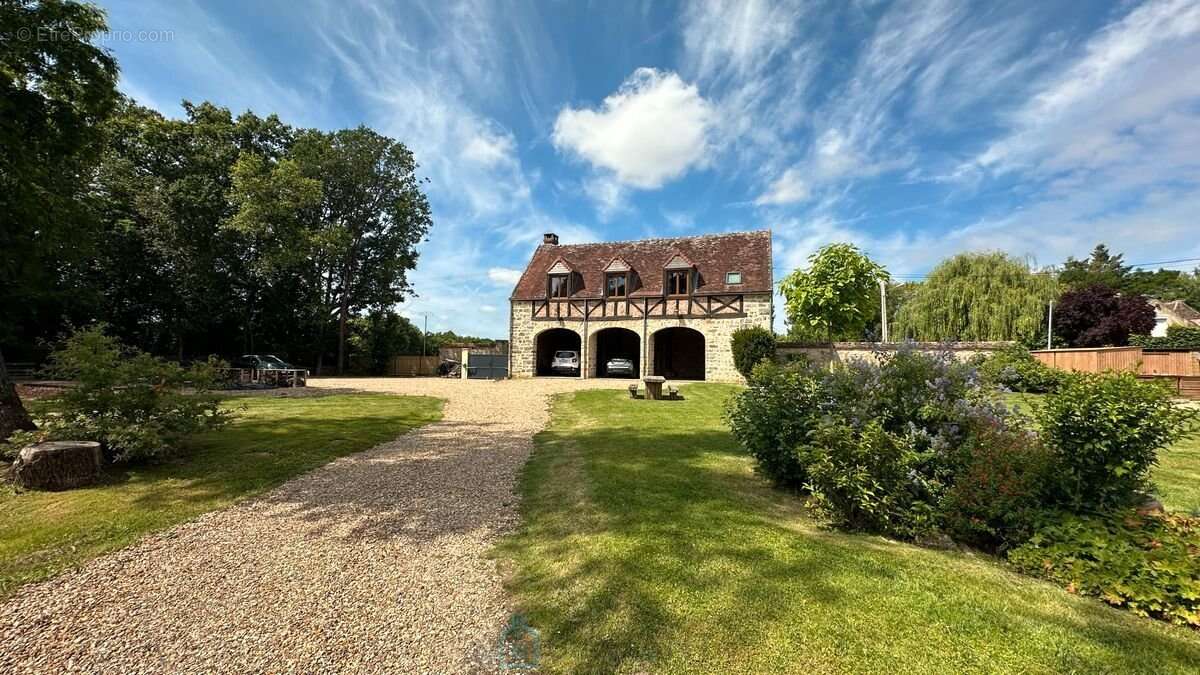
(913, 129)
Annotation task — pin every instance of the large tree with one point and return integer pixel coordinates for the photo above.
(1102, 267)
(371, 217)
(56, 87)
(836, 297)
(978, 296)
(1099, 316)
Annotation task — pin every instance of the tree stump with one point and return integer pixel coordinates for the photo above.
(58, 465)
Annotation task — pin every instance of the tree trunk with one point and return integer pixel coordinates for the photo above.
(12, 413)
(343, 311)
(59, 465)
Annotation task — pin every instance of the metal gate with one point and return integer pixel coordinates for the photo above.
(487, 366)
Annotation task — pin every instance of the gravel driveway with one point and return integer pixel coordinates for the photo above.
(374, 563)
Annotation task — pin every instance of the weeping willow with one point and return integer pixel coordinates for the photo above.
(978, 296)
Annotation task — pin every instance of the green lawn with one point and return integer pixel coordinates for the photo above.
(270, 441)
(649, 545)
(1177, 476)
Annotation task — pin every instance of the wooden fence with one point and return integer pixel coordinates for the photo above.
(1180, 370)
(413, 366)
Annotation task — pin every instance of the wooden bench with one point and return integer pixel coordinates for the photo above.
(672, 391)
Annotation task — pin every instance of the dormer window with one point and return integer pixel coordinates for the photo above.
(678, 282)
(560, 286)
(558, 283)
(618, 279)
(617, 284)
(733, 278)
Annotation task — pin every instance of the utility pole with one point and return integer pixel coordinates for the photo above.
(883, 306)
(424, 334)
(1050, 328)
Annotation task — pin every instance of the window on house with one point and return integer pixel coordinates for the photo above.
(558, 286)
(677, 282)
(733, 277)
(616, 285)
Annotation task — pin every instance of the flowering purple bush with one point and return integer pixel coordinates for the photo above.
(890, 441)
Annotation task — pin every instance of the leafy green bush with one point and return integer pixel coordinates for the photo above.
(1147, 564)
(1015, 369)
(1105, 432)
(873, 480)
(995, 501)
(774, 416)
(1177, 337)
(136, 405)
(752, 346)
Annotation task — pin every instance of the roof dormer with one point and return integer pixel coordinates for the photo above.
(560, 266)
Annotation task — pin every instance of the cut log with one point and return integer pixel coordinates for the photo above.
(58, 465)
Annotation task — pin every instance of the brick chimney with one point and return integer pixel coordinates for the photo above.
(550, 238)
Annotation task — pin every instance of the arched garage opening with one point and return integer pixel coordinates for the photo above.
(551, 341)
(679, 353)
(615, 343)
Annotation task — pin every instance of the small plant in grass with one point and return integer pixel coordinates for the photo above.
(1105, 431)
(138, 406)
(774, 416)
(1149, 564)
(752, 346)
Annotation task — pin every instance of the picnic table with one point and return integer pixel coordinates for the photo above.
(654, 386)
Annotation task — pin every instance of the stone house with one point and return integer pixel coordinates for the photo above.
(669, 305)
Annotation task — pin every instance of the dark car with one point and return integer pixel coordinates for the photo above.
(262, 362)
(619, 368)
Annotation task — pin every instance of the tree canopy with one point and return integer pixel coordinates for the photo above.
(836, 298)
(978, 296)
(1108, 269)
(53, 95)
(1099, 316)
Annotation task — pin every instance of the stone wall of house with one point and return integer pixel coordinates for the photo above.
(717, 332)
(826, 353)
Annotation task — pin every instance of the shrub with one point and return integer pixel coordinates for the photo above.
(752, 346)
(775, 415)
(1105, 432)
(891, 438)
(133, 403)
(1147, 564)
(996, 499)
(1177, 337)
(1015, 369)
(870, 479)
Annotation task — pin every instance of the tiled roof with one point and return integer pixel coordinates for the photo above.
(1182, 310)
(712, 255)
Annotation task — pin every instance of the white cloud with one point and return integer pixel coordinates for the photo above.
(736, 36)
(651, 131)
(504, 276)
(490, 149)
(789, 188)
(609, 196)
(1100, 108)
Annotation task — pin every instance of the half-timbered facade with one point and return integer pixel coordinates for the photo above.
(669, 305)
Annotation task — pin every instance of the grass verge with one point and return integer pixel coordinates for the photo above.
(649, 545)
(270, 441)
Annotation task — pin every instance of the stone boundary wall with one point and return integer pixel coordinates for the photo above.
(825, 353)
